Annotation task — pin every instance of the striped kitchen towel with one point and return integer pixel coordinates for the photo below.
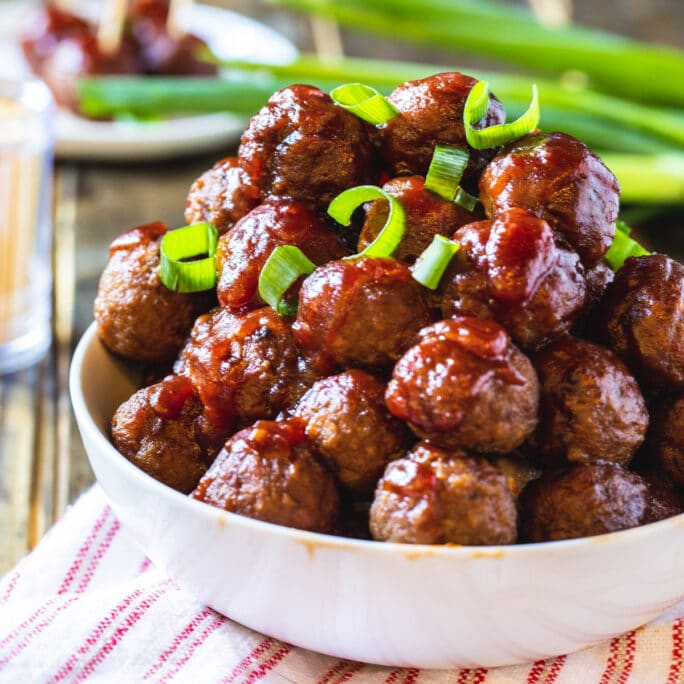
(87, 605)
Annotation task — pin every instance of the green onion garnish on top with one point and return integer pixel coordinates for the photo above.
(465, 200)
(431, 264)
(446, 169)
(187, 258)
(365, 102)
(388, 239)
(475, 108)
(623, 247)
(282, 269)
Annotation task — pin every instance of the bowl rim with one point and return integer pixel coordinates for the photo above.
(87, 424)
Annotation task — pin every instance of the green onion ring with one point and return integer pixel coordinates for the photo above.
(178, 247)
(431, 264)
(285, 265)
(623, 247)
(365, 102)
(389, 238)
(465, 200)
(446, 169)
(475, 108)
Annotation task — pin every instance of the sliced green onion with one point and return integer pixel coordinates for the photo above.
(180, 269)
(623, 247)
(446, 169)
(623, 227)
(388, 239)
(475, 108)
(431, 264)
(282, 269)
(365, 102)
(465, 200)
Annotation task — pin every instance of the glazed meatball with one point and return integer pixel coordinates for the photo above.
(465, 384)
(514, 271)
(268, 472)
(243, 251)
(666, 438)
(304, 147)
(590, 405)
(243, 367)
(427, 215)
(664, 499)
(642, 318)
(443, 497)
(359, 312)
(585, 500)
(159, 429)
(557, 178)
(350, 428)
(431, 113)
(137, 316)
(221, 196)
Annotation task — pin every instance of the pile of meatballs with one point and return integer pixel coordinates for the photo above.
(535, 395)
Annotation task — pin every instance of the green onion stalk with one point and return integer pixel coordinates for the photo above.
(615, 64)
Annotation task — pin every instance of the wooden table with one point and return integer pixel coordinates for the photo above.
(42, 462)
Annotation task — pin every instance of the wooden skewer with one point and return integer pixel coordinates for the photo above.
(177, 8)
(110, 29)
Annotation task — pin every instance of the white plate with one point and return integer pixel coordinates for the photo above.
(230, 36)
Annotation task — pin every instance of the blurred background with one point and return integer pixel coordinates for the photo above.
(104, 185)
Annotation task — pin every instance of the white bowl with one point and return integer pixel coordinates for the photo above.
(392, 604)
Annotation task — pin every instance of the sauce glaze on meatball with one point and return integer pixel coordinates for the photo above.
(302, 146)
(465, 384)
(268, 471)
(431, 113)
(513, 270)
(557, 178)
(243, 251)
(159, 429)
(439, 497)
(362, 312)
(427, 214)
(244, 367)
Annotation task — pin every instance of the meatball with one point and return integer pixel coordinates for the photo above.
(359, 312)
(666, 438)
(431, 113)
(664, 500)
(243, 251)
(243, 367)
(465, 384)
(221, 196)
(590, 406)
(512, 270)
(557, 178)
(137, 316)
(427, 215)
(303, 146)
(585, 500)
(268, 472)
(350, 428)
(443, 497)
(161, 51)
(641, 317)
(159, 429)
